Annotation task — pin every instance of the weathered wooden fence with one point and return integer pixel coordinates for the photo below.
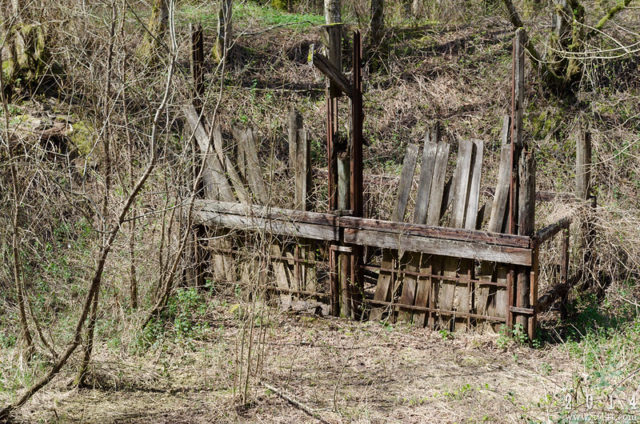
(457, 263)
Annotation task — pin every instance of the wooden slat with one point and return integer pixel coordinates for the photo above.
(433, 263)
(406, 180)
(302, 171)
(426, 177)
(330, 71)
(438, 184)
(463, 296)
(461, 179)
(258, 223)
(501, 197)
(410, 282)
(490, 299)
(205, 209)
(549, 231)
(238, 186)
(434, 246)
(215, 182)
(451, 265)
(422, 230)
(295, 124)
(526, 226)
(389, 259)
(471, 217)
(246, 139)
(216, 186)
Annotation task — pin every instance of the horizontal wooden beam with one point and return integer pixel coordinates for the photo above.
(335, 76)
(439, 246)
(459, 234)
(551, 230)
(468, 244)
(285, 222)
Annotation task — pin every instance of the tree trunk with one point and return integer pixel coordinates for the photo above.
(377, 22)
(225, 30)
(332, 11)
(417, 7)
(157, 28)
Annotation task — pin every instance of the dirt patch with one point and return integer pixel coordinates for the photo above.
(345, 371)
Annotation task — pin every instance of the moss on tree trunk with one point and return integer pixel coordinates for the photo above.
(157, 26)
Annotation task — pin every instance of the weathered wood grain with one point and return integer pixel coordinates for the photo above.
(444, 247)
(451, 264)
(410, 283)
(386, 279)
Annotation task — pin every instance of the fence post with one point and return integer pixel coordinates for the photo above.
(522, 192)
(196, 258)
(332, 39)
(584, 192)
(356, 181)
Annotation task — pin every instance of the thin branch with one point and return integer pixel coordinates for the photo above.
(104, 253)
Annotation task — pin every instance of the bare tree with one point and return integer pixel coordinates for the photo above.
(157, 27)
(567, 44)
(110, 236)
(332, 11)
(225, 31)
(15, 230)
(376, 26)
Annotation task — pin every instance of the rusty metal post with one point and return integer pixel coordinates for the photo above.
(197, 66)
(356, 185)
(332, 35)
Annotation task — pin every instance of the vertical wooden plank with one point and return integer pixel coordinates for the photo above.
(533, 294)
(497, 220)
(280, 274)
(463, 297)
(438, 185)
(584, 192)
(492, 299)
(216, 186)
(254, 170)
(389, 257)
(301, 161)
(451, 266)
(294, 120)
(526, 226)
(583, 165)
(426, 177)
(517, 104)
(415, 289)
(303, 171)
(238, 186)
(474, 187)
(344, 172)
(433, 264)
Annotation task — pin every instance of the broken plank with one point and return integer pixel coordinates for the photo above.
(451, 266)
(389, 259)
(410, 282)
(438, 184)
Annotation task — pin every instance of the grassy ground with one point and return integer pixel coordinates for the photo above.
(344, 371)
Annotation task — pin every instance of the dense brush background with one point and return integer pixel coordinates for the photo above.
(450, 63)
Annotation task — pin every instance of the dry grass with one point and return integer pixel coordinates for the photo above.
(346, 371)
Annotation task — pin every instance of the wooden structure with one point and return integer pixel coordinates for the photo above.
(443, 269)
